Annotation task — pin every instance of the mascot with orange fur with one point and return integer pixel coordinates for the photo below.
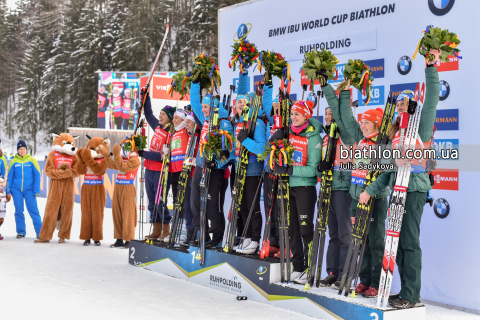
(92, 165)
(61, 169)
(124, 208)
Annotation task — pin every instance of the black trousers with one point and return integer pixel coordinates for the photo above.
(151, 186)
(118, 122)
(240, 224)
(273, 215)
(175, 178)
(339, 230)
(302, 209)
(217, 220)
(254, 228)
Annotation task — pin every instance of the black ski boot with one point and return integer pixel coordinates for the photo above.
(97, 243)
(125, 245)
(329, 280)
(401, 303)
(190, 234)
(117, 244)
(86, 243)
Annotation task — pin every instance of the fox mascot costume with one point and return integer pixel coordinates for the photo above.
(124, 209)
(61, 169)
(91, 163)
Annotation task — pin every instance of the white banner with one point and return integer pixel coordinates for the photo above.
(449, 227)
(347, 42)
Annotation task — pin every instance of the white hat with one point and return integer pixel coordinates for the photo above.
(190, 117)
(180, 113)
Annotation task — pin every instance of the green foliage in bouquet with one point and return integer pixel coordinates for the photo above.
(244, 53)
(359, 74)
(181, 83)
(275, 64)
(135, 143)
(314, 61)
(279, 152)
(215, 143)
(205, 69)
(436, 38)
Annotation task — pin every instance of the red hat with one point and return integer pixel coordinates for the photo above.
(373, 115)
(304, 107)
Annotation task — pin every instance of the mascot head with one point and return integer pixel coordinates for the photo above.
(64, 143)
(93, 144)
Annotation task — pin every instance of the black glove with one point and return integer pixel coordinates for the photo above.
(140, 153)
(210, 164)
(269, 81)
(288, 170)
(324, 166)
(278, 135)
(242, 135)
(197, 80)
(322, 74)
(143, 90)
(225, 154)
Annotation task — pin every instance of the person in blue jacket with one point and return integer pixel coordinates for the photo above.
(217, 221)
(23, 182)
(3, 165)
(255, 145)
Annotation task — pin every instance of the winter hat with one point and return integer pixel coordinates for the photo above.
(304, 107)
(21, 144)
(405, 94)
(208, 99)
(190, 117)
(180, 113)
(249, 96)
(170, 111)
(277, 98)
(373, 115)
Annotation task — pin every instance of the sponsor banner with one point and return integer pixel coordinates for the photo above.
(447, 119)
(347, 42)
(446, 179)
(377, 97)
(340, 77)
(445, 146)
(160, 86)
(377, 66)
(398, 88)
(451, 65)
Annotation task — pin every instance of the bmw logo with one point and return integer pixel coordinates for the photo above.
(440, 7)
(444, 89)
(312, 97)
(441, 208)
(404, 65)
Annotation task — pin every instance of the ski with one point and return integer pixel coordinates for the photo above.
(147, 86)
(204, 183)
(359, 234)
(241, 170)
(323, 204)
(179, 202)
(265, 251)
(141, 206)
(409, 124)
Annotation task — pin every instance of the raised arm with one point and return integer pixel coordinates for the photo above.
(151, 119)
(195, 101)
(432, 96)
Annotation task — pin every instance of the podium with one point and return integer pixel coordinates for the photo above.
(259, 280)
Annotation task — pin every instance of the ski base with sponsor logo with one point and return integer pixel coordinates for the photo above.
(258, 280)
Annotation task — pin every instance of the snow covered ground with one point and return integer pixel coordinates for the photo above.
(69, 281)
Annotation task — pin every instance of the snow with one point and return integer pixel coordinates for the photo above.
(70, 281)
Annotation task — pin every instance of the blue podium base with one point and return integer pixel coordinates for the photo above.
(259, 280)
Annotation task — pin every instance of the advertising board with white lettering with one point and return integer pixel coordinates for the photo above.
(385, 33)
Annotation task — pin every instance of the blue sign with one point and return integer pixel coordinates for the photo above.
(340, 68)
(377, 66)
(398, 88)
(442, 145)
(447, 119)
(297, 156)
(377, 97)
(235, 83)
(242, 31)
